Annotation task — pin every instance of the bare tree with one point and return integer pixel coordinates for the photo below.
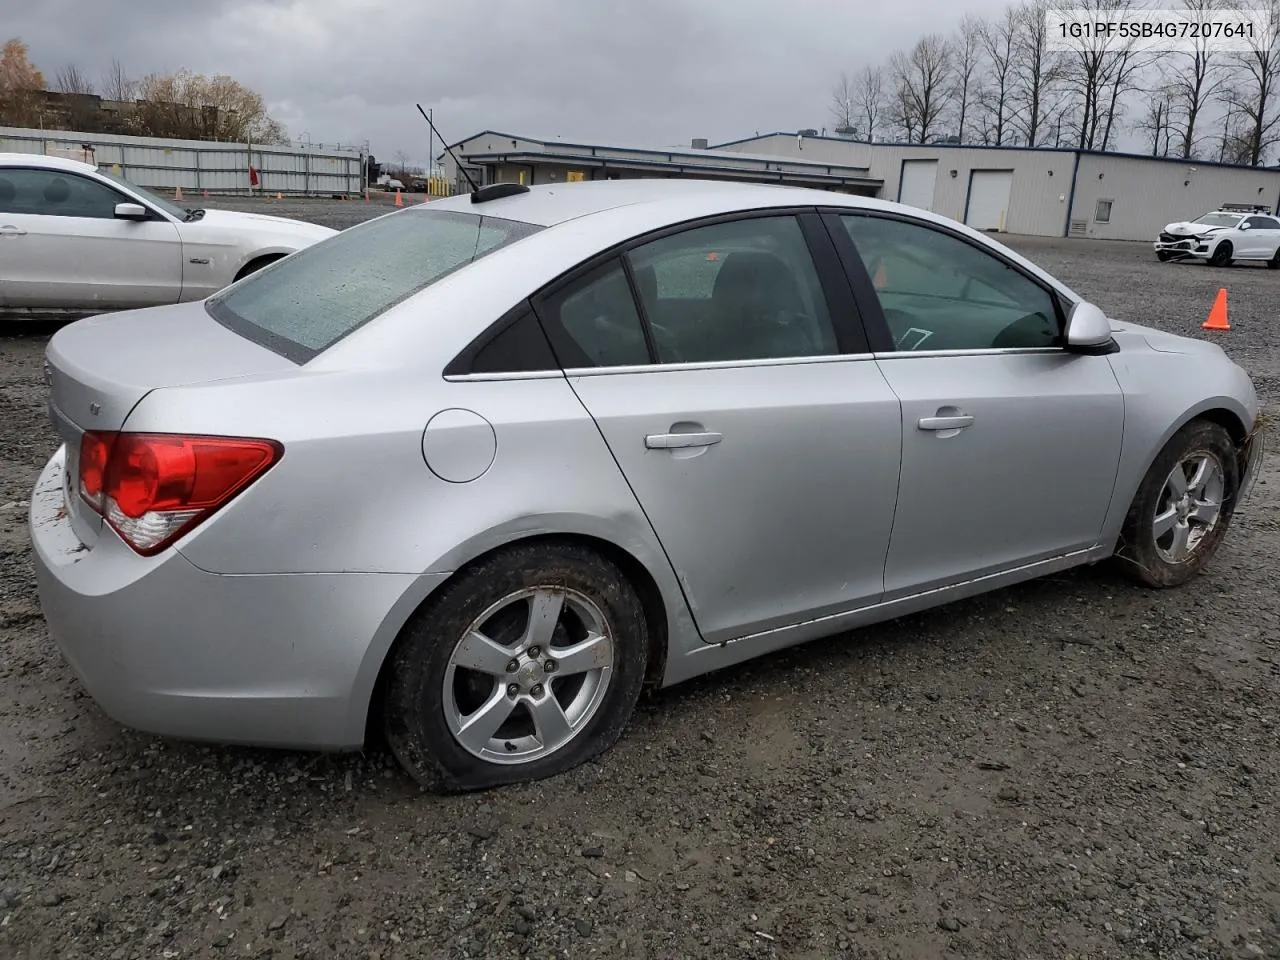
(1036, 74)
(922, 82)
(70, 80)
(1128, 69)
(869, 98)
(1099, 71)
(966, 47)
(843, 104)
(999, 40)
(116, 84)
(1158, 122)
(1252, 98)
(199, 107)
(1193, 79)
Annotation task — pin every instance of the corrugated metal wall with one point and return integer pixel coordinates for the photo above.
(1146, 195)
(197, 165)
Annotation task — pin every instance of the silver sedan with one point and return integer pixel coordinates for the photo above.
(474, 474)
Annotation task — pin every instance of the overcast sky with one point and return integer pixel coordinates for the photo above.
(657, 72)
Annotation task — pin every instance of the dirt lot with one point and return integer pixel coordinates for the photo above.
(1072, 768)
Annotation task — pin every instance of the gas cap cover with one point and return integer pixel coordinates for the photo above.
(459, 445)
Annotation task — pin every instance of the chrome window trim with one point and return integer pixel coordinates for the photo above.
(516, 375)
(970, 352)
(759, 362)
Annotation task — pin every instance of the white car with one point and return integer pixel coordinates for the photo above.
(78, 240)
(1221, 237)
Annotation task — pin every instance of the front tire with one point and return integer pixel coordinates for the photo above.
(1222, 254)
(523, 667)
(1183, 507)
(1164, 256)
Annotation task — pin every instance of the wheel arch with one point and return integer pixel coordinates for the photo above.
(1225, 411)
(259, 259)
(368, 702)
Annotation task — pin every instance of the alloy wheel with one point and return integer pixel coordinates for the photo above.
(1189, 506)
(528, 675)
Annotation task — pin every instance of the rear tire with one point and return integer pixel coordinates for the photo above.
(1274, 262)
(1169, 539)
(554, 697)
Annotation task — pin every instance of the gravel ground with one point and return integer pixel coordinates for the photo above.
(1071, 768)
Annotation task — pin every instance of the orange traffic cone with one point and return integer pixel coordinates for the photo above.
(366, 194)
(399, 199)
(881, 278)
(279, 195)
(1218, 313)
(177, 194)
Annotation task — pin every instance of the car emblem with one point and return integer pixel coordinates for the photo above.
(95, 408)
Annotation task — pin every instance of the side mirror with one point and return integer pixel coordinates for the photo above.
(1244, 226)
(1089, 330)
(130, 211)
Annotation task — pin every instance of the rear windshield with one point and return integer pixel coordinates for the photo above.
(302, 305)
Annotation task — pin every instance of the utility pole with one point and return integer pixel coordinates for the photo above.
(431, 146)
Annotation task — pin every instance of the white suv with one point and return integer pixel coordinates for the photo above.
(1221, 237)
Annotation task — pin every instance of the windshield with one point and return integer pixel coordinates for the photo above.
(1218, 219)
(166, 205)
(305, 303)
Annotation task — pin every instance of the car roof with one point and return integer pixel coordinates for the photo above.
(44, 160)
(551, 204)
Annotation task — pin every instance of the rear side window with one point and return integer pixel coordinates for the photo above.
(302, 305)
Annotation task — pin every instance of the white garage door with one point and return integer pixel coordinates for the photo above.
(918, 178)
(989, 199)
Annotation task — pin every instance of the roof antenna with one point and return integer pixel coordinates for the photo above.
(475, 187)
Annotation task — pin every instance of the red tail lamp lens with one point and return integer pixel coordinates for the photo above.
(152, 488)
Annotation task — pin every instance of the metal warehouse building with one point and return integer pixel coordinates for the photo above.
(1039, 192)
(492, 157)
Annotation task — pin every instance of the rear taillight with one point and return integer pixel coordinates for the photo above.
(154, 487)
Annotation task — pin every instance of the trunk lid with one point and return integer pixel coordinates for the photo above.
(98, 369)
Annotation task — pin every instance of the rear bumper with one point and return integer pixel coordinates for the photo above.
(286, 660)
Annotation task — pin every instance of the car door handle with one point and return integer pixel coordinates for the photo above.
(9, 230)
(677, 441)
(954, 422)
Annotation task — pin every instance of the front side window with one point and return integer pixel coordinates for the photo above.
(939, 292)
(742, 290)
(55, 193)
(305, 303)
(154, 199)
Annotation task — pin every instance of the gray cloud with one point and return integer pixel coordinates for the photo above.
(657, 72)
